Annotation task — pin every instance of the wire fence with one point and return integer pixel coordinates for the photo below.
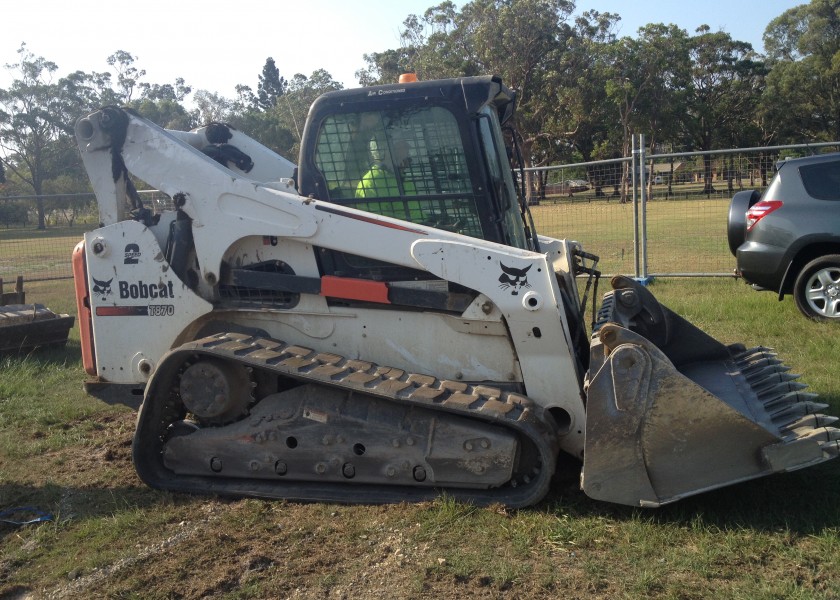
(45, 254)
(655, 215)
(647, 215)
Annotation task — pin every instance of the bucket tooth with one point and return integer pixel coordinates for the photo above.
(774, 379)
(777, 403)
(751, 352)
(672, 412)
(791, 413)
(832, 449)
(759, 365)
(764, 372)
(815, 446)
(770, 394)
(754, 354)
(759, 358)
(823, 434)
(810, 422)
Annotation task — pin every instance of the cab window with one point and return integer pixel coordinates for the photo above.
(408, 165)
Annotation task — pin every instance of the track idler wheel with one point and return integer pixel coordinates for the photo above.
(215, 392)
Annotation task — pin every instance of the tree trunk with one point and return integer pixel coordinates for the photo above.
(729, 173)
(708, 188)
(41, 210)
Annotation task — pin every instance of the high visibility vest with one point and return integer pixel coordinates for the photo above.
(381, 183)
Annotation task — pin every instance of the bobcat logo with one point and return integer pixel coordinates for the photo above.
(102, 287)
(515, 278)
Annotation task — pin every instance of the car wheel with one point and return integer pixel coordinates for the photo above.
(817, 288)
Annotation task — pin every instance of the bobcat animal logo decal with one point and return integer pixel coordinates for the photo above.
(102, 287)
(514, 278)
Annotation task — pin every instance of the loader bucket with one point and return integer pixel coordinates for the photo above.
(672, 412)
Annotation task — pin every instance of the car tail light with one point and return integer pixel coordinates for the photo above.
(760, 210)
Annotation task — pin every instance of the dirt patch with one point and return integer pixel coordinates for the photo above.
(102, 457)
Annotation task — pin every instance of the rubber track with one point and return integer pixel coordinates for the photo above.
(514, 411)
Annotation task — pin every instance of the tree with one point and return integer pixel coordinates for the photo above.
(384, 67)
(646, 82)
(245, 96)
(167, 113)
(64, 202)
(281, 128)
(721, 94)
(270, 86)
(160, 103)
(13, 213)
(646, 78)
(301, 92)
(211, 107)
(666, 53)
(128, 76)
(36, 122)
(167, 91)
(803, 86)
(581, 118)
(437, 44)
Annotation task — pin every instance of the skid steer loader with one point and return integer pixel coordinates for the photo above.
(384, 323)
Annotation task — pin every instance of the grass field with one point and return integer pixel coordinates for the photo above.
(111, 537)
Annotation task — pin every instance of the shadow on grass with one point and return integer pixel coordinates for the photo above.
(64, 503)
(65, 354)
(804, 502)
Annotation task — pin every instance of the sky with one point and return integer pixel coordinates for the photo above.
(216, 45)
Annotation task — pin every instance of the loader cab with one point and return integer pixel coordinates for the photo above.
(430, 152)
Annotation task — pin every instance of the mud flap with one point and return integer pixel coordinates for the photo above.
(671, 412)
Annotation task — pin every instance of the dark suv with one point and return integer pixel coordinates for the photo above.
(788, 240)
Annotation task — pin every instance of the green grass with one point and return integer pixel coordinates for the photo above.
(112, 537)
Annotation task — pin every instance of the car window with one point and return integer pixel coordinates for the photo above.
(822, 180)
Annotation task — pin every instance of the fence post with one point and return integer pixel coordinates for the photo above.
(633, 199)
(643, 200)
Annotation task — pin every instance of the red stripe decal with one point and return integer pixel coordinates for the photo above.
(372, 219)
(354, 289)
(122, 311)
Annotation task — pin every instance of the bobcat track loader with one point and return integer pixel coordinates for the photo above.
(385, 324)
